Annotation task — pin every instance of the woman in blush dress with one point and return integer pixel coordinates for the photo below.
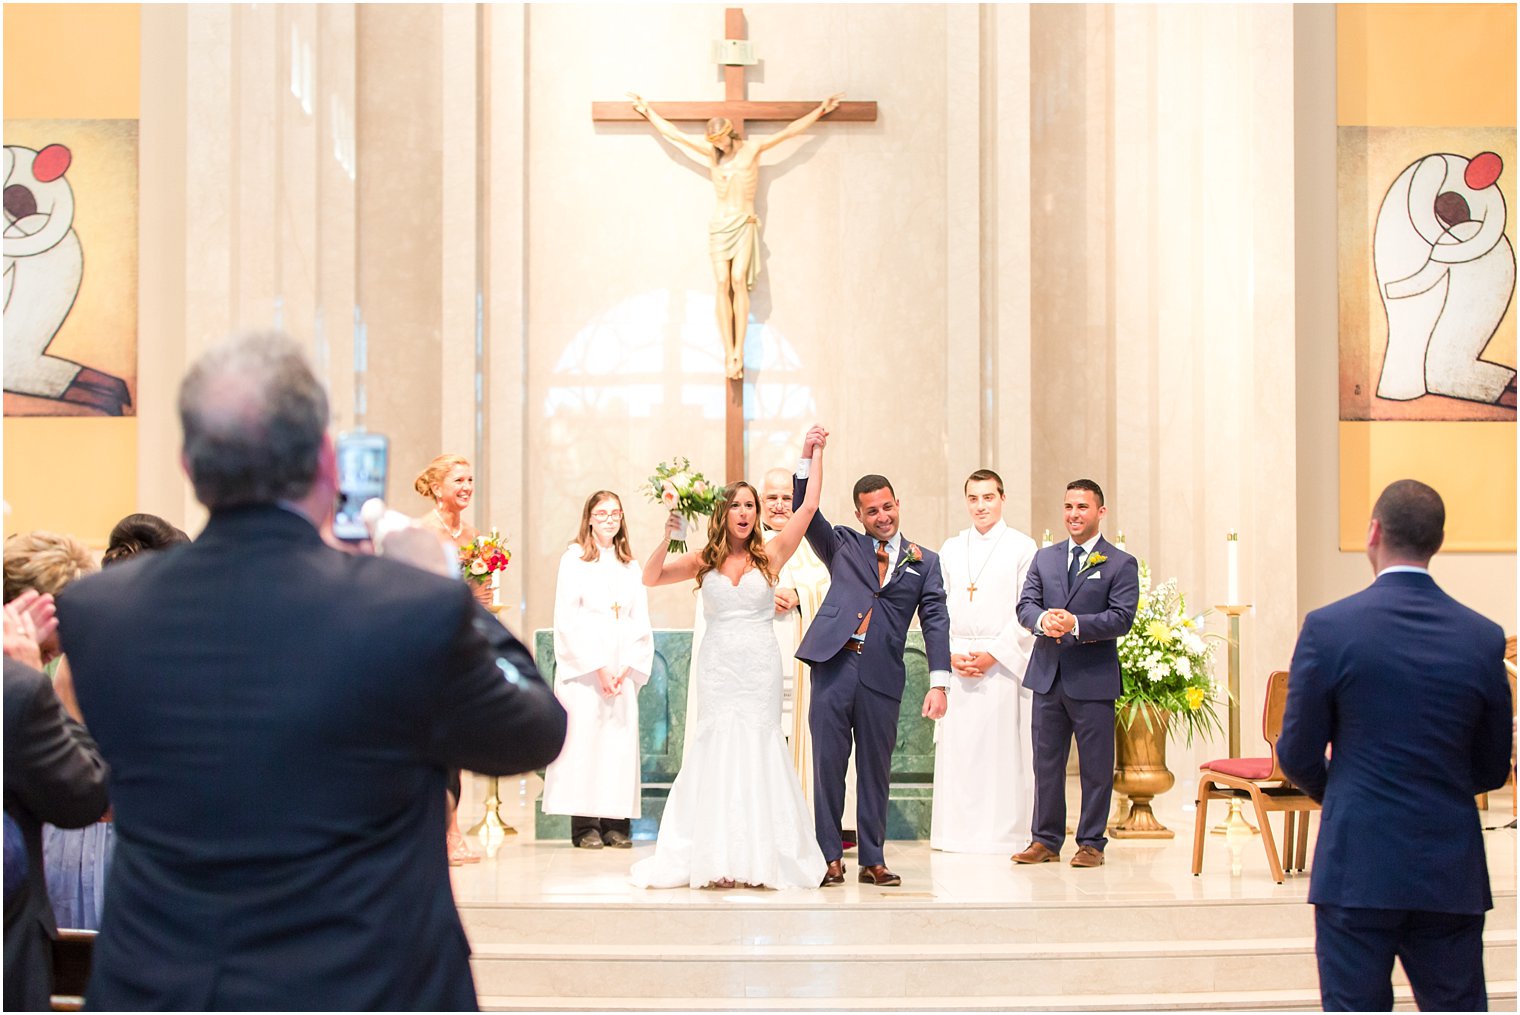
(736, 813)
(603, 654)
(449, 482)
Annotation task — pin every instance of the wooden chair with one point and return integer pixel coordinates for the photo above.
(1261, 781)
(71, 968)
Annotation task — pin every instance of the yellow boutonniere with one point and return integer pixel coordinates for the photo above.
(1094, 560)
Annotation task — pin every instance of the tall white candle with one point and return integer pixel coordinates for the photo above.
(495, 588)
(1232, 567)
(1045, 540)
(1119, 542)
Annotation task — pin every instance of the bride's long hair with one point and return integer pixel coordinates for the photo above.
(717, 549)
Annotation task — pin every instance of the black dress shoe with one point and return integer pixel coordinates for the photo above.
(834, 875)
(617, 840)
(877, 874)
(590, 839)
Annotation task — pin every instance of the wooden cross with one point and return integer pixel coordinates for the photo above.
(738, 109)
(971, 592)
(617, 611)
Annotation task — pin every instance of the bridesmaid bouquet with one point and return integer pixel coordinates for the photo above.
(484, 559)
(675, 487)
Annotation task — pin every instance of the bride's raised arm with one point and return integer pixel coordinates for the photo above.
(660, 571)
(785, 544)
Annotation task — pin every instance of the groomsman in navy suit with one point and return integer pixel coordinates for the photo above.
(1407, 687)
(855, 645)
(1080, 598)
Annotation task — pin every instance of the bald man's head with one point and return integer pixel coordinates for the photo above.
(253, 416)
(776, 499)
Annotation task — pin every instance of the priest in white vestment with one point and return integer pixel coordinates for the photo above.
(983, 758)
(603, 654)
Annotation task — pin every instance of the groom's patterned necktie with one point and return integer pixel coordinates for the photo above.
(1075, 568)
(881, 579)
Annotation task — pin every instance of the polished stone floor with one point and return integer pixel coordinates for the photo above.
(523, 871)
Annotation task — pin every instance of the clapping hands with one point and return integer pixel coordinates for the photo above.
(30, 620)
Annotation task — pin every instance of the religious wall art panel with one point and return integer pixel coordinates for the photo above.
(71, 278)
(1427, 273)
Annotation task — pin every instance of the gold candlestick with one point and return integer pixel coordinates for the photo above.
(491, 828)
(1234, 820)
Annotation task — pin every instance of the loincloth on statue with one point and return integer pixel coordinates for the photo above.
(728, 238)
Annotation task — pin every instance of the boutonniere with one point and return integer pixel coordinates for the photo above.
(911, 555)
(1093, 560)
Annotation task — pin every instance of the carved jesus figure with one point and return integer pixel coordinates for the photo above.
(733, 234)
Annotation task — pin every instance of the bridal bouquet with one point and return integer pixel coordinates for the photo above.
(485, 558)
(675, 487)
(1166, 660)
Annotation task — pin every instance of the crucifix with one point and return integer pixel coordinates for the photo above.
(734, 166)
(617, 611)
(971, 592)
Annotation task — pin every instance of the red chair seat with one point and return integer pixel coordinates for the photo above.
(1240, 768)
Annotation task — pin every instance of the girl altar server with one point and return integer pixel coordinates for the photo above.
(603, 652)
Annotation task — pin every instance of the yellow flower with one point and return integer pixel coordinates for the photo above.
(1143, 605)
(1158, 632)
(1187, 622)
(1195, 698)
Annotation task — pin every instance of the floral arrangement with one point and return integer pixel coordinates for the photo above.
(675, 487)
(485, 557)
(1167, 660)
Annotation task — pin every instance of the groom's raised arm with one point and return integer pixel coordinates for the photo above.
(820, 534)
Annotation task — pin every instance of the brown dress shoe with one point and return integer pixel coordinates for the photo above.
(834, 875)
(877, 874)
(1036, 852)
(1088, 856)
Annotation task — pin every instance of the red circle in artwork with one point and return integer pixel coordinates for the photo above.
(1483, 170)
(53, 161)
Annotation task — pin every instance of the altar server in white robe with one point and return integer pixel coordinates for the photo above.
(983, 762)
(603, 654)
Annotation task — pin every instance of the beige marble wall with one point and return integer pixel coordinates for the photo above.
(1073, 243)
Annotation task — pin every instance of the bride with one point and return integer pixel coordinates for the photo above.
(736, 814)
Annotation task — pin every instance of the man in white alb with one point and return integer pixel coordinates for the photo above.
(983, 761)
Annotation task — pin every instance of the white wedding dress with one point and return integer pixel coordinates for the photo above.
(736, 810)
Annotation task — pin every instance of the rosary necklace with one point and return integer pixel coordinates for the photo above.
(971, 586)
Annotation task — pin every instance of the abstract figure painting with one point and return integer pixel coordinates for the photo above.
(1427, 274)
(70, 267)
(1446, 275)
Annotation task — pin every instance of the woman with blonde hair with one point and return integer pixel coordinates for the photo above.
(75, 860)
(449, 482)
(736, 814)
(603, 654)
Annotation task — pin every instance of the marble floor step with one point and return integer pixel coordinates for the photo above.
(969, 970)
(892, 921)
(1501, 997)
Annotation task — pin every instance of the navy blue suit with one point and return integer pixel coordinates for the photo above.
(1407, 687)
(279, 718)
(1075, 679)
(858, 696)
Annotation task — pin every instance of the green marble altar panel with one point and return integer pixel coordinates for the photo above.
(662, 736)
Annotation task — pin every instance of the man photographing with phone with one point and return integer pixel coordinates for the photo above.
(326, 693)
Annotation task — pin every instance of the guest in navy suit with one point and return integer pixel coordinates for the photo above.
(279, 717)
(855, 646)
(1407, 687)
(1080, 598)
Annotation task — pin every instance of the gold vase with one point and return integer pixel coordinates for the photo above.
(1140, 773)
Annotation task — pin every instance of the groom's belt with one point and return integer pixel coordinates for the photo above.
(856, 645)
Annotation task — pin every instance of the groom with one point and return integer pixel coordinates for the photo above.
(855, 646)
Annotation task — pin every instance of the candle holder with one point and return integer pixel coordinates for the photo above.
(491, 828)
(1235, 821)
